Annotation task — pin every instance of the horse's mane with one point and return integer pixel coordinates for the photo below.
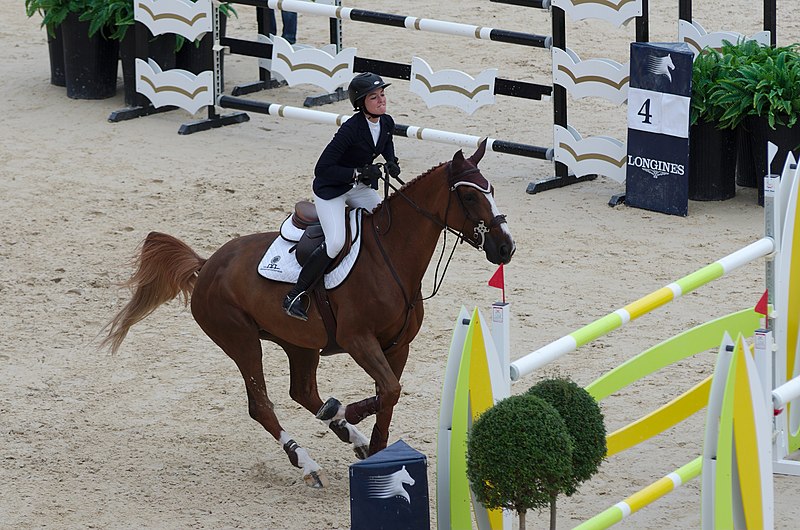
(404, 187)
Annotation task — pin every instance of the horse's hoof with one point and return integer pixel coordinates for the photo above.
(316, 479)
(329, 409)
(361, 451)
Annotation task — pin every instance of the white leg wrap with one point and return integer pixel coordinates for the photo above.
(354, 435)
(304, 461)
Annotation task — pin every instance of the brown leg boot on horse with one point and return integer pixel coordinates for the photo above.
(312, 271)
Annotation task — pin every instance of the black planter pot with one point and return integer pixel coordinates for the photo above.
(90, 63)
(787, 139)
(160, 48)
(197, 57)
(712, 163)
(746, 175)
(55, 48)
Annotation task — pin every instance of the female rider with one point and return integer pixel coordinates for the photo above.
(346, 176)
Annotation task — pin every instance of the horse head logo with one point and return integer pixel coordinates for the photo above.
(390, 486)
(661, 66)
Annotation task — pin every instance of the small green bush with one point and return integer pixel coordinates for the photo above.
(584, 423)
(519, 455)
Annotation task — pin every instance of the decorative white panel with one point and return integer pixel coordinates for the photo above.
(174, 87)
(266, 64)
(182, 17)
(697, 38)
(596, 155)
(601, 77)
(617, 12)
(452, 87)
(307, 65)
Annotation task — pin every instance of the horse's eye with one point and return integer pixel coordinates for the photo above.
(470, 198)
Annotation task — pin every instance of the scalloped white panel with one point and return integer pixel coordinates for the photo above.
(182, 17)
(596, 155)
(697, 37)
(266, 63)
(313, 66)
(174, 87)
(617, 12)
(600, 77)
(452, 87)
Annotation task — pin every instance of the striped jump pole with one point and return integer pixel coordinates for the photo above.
(408, 131)
(569, 343)
(403, 21)
(644, 497)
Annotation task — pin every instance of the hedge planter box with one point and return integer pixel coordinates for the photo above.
(712, 163)
(90, 63)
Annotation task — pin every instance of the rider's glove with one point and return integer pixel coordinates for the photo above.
(368, 174)
(393, 169)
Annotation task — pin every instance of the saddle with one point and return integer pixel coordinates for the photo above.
(305, 218)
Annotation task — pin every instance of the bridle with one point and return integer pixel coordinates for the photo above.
(471, 177)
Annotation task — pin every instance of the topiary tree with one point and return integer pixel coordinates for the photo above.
(584, 423)
(519, 455)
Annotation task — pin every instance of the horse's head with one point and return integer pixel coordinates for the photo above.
(477, 218)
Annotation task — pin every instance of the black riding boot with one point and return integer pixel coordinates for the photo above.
(312, 271)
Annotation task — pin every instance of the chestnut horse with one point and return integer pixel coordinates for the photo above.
(378, 308)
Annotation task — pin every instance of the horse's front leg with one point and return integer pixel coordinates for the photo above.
(367, 352)
(380, 432)
(303, 364)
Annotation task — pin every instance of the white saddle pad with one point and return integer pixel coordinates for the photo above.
(279, 263)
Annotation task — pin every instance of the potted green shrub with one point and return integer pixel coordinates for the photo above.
(712, 147)
(167, 50)
(519, 456)
(90, 60)
(760, 88)
(55, 45)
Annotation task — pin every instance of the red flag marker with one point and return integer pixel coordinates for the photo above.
(498, 280)
(761, 306)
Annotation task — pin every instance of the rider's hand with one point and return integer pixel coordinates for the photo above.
(368, 173)
(393, 169)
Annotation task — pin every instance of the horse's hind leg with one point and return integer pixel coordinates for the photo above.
(238, 336)
(303, 389)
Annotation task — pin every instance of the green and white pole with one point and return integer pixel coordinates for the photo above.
(569, 343)
(643, 497)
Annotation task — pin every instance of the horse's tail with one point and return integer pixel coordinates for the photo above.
(166, 267)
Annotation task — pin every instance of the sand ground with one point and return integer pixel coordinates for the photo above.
(158, 436)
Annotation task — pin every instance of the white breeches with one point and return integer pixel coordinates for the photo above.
(331, 214)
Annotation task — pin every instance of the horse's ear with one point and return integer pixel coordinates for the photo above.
(478, 155)
(458, 158)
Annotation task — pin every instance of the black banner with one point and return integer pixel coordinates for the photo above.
(660, 90)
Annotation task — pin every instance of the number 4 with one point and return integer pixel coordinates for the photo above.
(645, 112)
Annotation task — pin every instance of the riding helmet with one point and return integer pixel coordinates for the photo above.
(363, 84)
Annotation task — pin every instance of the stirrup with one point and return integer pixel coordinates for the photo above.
(294, 307)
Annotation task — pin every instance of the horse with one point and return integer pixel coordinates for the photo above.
(378, 309)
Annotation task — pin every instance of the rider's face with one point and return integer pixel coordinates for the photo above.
(375, 102)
